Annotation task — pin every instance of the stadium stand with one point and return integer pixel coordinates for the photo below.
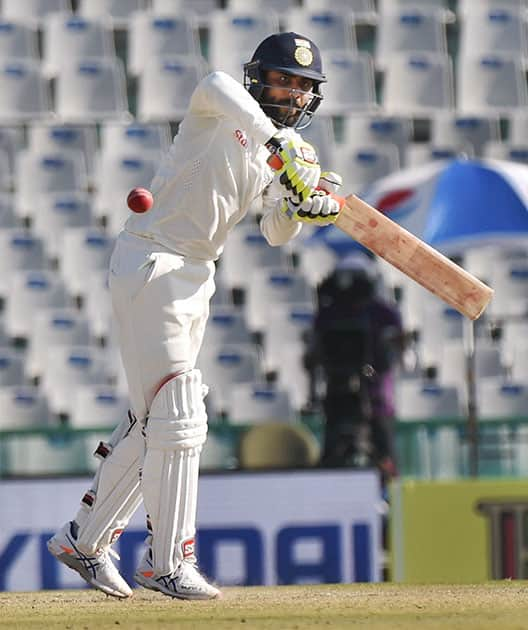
(255, 403)
(79, 127)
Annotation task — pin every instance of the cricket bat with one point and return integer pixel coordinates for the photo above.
(416, 259)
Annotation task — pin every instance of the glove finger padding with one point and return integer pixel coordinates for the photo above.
(330, 181)
(320, 209)
(300, 171)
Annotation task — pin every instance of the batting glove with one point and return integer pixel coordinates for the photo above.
(319, 209)
(330, 181)
(300, 171)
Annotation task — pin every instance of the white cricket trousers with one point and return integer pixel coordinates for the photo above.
(161, 306)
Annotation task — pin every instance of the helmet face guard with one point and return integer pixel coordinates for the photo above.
(288, 53)
(282, 114)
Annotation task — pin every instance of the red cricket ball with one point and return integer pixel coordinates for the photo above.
(140, 200)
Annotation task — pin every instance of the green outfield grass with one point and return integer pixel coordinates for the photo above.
(493, 606)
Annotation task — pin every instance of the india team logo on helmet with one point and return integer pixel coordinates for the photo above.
(303, 55)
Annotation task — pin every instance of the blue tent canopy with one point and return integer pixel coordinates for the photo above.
(473, 200)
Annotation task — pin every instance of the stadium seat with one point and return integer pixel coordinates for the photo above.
(12, 140)
(409, 30)
(481, 260)
(255, 403)
(365, 164)
(51, 327)
(419, 153)
(97, 406)
(33, 11)
(278, 445)
(223, 366)
(18, 40)
(515, 355)
(292, 374)
(371, 129)
(233, 36)
(142, 138)
(273, 285)
(21, 251)
(513, 340)
(68, 367)
(469, 6)
(279, 6)
(511, 152)
(329, 30)
(418, 84)
(320, 134)
(316, 261)
(492, 84)
(118, 11)
(201, 8)
(499, 398)
(386, 6)
(223, 296)
(493, 29)
(351, 85)
(226, 325)
(11, 367)
(29, 292)
(173, 80)
(5, 172)
(414, 298)
(97, 304)
(440, 322)
(452, 366)
(117, 174)
(362, 11)
(24, 92)
(247, 249)
(92, 90)
(8, 218)
(449, 128)
(84, 251)
(41, 172)
(50, 136)
(23, 407)
(56, 213)
(160, 35)
(518, 127)
(509, 278)
(69, 38)
(286, 324)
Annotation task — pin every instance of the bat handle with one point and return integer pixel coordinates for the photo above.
(276, 164)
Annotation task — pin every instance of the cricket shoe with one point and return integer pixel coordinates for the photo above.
(185, 583)
(98, 569)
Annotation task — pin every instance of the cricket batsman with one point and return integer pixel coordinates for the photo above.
(161, 280)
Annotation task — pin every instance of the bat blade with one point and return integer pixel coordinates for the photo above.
(414, 258)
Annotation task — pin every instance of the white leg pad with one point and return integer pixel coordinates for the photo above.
(175, 433)
(115, 494)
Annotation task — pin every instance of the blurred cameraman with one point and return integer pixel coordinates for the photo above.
(356, 341)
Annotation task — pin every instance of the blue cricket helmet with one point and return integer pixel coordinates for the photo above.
(289, 53)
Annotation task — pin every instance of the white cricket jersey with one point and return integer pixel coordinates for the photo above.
(214, 170)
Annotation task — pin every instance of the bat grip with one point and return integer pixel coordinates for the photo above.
(276, 164)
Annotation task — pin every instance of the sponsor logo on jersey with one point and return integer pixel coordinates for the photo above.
(241, 137)
(188, 548)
